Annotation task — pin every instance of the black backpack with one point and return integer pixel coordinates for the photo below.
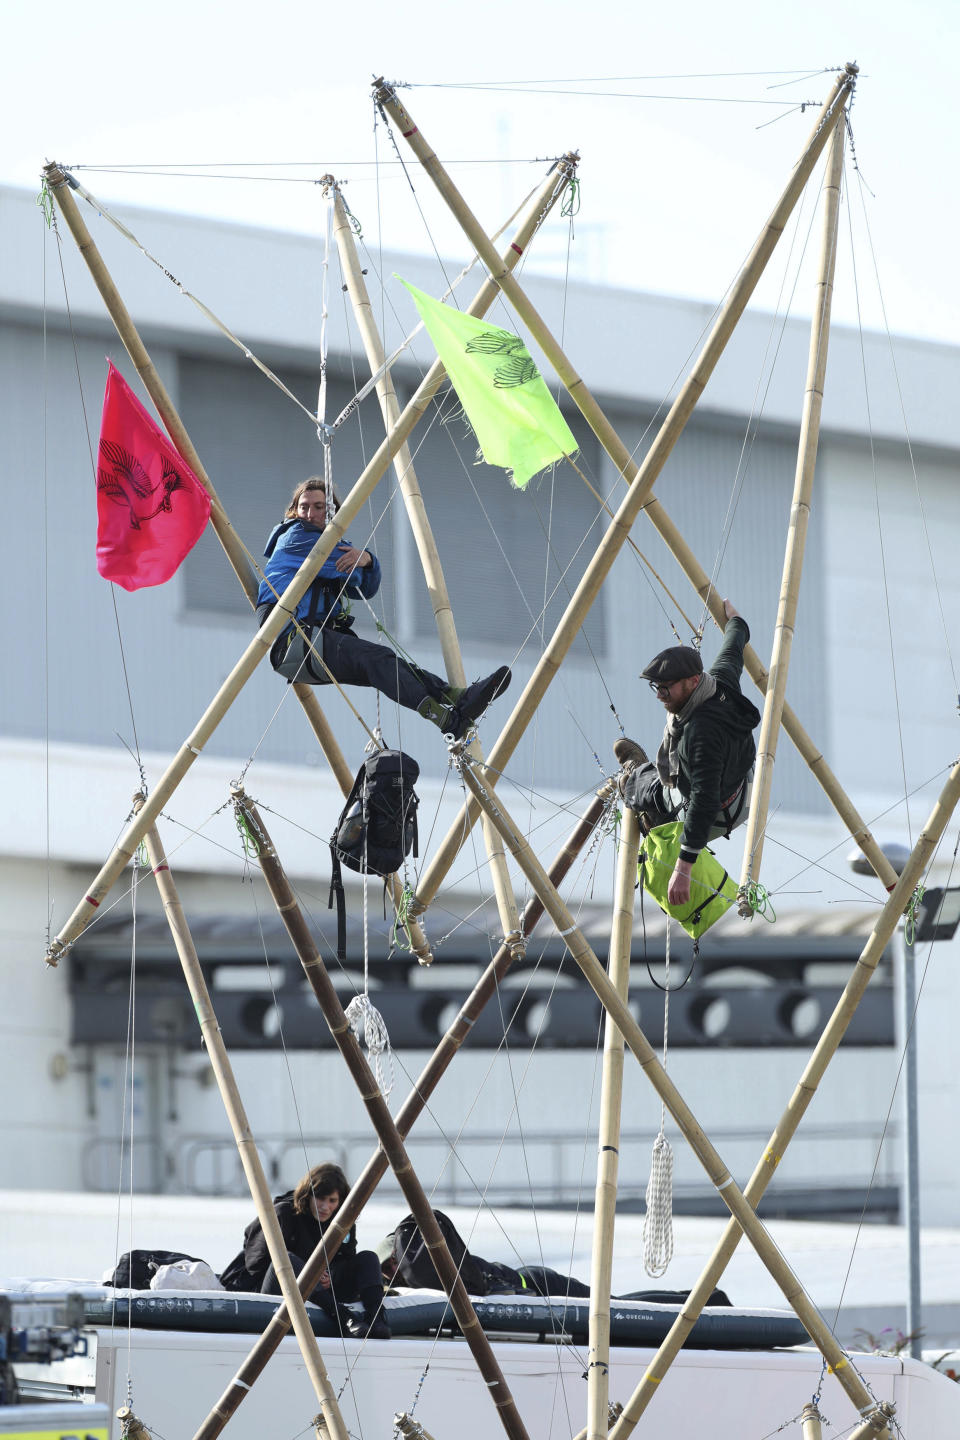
(416, 1268)
(377, 827)
(136, 1268)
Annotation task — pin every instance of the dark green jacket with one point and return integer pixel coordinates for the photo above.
(716, 748)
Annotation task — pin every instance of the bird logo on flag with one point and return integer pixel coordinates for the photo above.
(519, 368)
(126, 482)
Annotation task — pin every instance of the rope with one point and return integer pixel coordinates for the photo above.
(658, 1221)
(234, 339)
(910, 918)
(363, 1016)
(402, 921)
(875, 469)
(757, 899)
(903, 414)
(324, 434)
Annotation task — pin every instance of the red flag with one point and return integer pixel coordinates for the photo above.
(151, 508)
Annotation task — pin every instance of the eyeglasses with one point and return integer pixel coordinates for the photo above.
(659, 688)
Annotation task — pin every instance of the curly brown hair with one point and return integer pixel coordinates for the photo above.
(312, 482)
(325, 1179)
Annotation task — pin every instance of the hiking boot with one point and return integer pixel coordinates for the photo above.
(629, 754)
(475, 699)
(360, 1328)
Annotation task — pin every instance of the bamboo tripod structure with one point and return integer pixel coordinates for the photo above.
(608, 1143)
(640, 478)
(412, 413)
(738, 1204)
(376, 1167)
(797, 529)
(862, 835)
(388, 1134)
(246, 1147)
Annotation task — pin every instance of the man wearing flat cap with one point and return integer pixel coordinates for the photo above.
(704, 767)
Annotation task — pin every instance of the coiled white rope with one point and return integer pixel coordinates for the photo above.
(365, 1019)
(658, 1221)
(363, 1016)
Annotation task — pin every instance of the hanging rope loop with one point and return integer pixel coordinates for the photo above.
(571, 201)
(911, 916)
(658, 1221)
(368, 1025)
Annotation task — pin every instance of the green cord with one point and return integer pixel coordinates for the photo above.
(382, 630)
(402, 919)
(910, 917)
(571, 201)
(248, 837)
(758, 898)
(45, 201)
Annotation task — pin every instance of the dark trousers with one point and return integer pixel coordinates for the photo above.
(544, 1281)
(644, 793)
(350, 1277)
(355, 661)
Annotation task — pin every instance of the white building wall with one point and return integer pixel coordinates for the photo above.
(67, 802)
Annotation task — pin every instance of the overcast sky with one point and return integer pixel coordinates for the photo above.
(674, 187)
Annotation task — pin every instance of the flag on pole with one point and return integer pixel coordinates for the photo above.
(151, 508)
(514, 417)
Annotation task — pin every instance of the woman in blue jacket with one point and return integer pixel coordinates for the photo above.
(347, 658)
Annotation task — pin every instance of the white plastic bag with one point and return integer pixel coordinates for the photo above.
(185, 1275)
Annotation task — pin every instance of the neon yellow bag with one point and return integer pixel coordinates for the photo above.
(712, 891)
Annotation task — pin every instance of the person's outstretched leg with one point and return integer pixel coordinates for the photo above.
(355, 661)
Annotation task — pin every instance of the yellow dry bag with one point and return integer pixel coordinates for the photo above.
(712, 891)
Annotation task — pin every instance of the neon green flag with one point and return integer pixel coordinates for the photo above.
(514, 416)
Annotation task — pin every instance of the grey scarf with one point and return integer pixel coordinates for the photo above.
(668, 762)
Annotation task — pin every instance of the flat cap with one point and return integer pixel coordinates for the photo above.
(675, 663)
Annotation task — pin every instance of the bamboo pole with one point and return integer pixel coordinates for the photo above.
(799, 1102)
(366, 1183)
(810, 1422)
(59, 181)
(608, 1149)
(391, 1141)
(726, 1187)
(641, 477)
(875, 1426)
(409, 1428)
(797, 530)
(370, 477)
(242, 1134)
(419, 522)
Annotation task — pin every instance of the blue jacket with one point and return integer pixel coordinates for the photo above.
(288, 546)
